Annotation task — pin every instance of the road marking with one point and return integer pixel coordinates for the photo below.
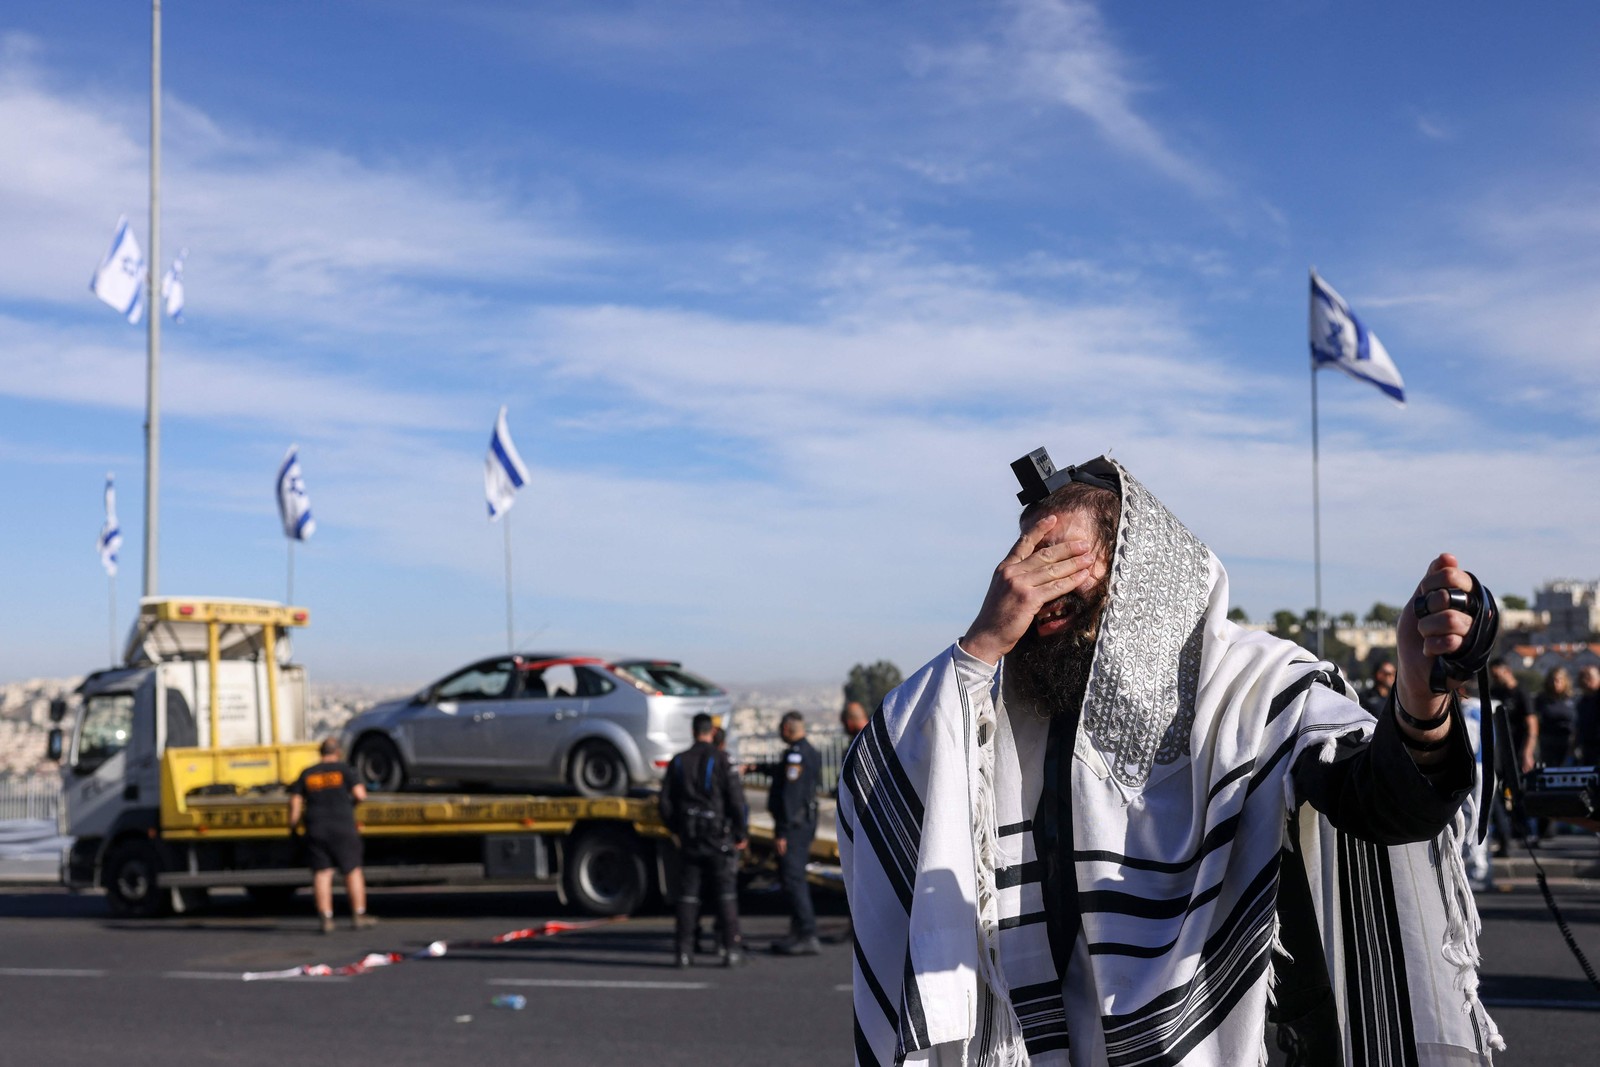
(49, 972)
(844, 989)
(595, 983)
(1561, 1005)
(235, 976)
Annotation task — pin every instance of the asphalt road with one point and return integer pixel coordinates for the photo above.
(77, 986)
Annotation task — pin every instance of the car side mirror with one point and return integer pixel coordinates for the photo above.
(55, 745)
(58, 709)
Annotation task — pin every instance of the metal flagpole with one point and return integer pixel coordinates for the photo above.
(152, 418)
(1316, 506)
(111, 621)
(511, 639)
(289, 598)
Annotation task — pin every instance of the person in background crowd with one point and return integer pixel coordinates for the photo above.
(719, 741)
(1506, 691)
(1558, 722)
(325, 796)
(853, 718)
(1589, 715)
(702, 803)
(1480, 872)
(792, 800)
(1377, 698)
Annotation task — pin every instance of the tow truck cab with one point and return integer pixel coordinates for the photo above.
(197, 673)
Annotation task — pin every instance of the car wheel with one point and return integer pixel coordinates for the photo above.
(378, 764)
(131, 870)
(604, 872)
(598, 771)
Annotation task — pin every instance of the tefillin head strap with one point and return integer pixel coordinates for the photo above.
(1039, 477)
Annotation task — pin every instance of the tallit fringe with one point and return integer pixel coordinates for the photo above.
(1009, 1049)
(1462, 926)
(1277, 949)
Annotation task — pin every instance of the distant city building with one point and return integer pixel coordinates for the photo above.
(1573, 608)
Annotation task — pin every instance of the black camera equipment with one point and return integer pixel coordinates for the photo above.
(1039, 477)
(1562, 792)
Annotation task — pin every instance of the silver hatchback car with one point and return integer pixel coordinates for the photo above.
(592, 725)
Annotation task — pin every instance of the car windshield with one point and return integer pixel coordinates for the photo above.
(670, 679)
(107, 725)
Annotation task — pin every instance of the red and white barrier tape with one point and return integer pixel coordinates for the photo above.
(374, 960)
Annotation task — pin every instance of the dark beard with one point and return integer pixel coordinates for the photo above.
(1051, 674)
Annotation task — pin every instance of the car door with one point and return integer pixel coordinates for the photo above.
(534, 731)
(450, 734)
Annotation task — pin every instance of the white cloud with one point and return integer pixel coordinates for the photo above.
(278, 233)
(1060, 52)
(87, 366)
(1518, 300)
(1433, 128)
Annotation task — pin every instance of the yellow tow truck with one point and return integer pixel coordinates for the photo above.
(175, 768)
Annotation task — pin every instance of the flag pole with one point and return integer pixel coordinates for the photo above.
(289, 598)
(152, 419)
(1316, 507)
(111, 621)
(511, 639)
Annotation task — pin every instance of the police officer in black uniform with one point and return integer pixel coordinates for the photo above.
(702, 803)
(792, 800)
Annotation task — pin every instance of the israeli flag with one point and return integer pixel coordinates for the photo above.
(111, 533)
(172, 288)
(503, 471)
(1338, 339)
(294, 506)
(119, 280)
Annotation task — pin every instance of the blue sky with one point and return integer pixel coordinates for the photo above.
(774, 294)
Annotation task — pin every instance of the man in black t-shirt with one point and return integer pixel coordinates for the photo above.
(325, 796)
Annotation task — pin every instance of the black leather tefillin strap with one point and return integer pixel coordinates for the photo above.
(1472, 658)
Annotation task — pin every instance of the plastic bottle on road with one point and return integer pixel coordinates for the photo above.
(514, 1001)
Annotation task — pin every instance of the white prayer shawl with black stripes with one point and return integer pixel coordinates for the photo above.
(1182, 804)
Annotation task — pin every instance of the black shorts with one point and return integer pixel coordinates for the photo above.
(342, 851)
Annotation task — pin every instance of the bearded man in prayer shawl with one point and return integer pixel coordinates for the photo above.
(1109, 826)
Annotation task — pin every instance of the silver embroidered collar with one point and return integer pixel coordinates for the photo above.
(1139, 705)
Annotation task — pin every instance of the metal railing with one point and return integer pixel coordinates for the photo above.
(767, 747)
(29, 798)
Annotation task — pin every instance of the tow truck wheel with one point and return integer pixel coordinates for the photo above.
(378, 764)
(130, 880)
(604, 872)
(598, 771)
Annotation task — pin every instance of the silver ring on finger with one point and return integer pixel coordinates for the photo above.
(1419, 606)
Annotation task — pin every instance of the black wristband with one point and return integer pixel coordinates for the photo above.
(1420, 724)
(1424, 746)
